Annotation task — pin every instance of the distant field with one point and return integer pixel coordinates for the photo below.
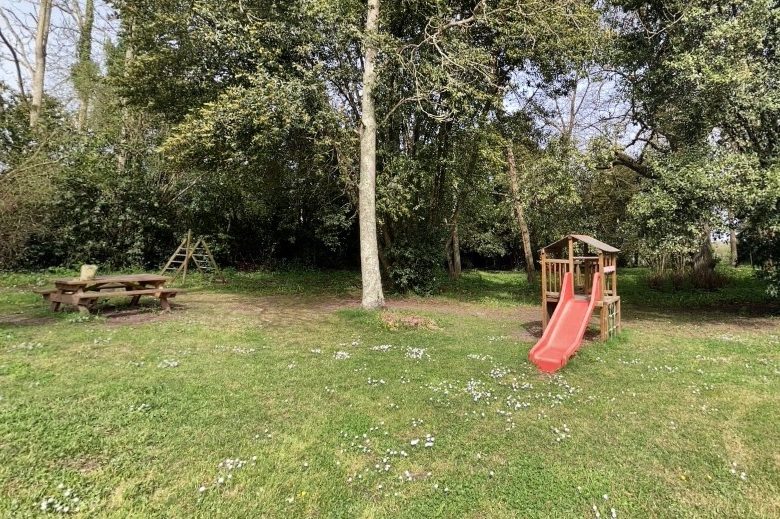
(274, 396)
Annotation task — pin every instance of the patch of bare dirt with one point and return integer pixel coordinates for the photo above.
(135, 316)
(527, 318)
(21, 320)
(464, 309)
(270, 310)
(295, 310)
(85, 466)
(290, 310)
(698, 324)
(396, 321)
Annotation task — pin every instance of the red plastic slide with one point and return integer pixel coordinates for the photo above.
(566, 328)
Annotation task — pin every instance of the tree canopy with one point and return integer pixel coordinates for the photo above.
(498, 125)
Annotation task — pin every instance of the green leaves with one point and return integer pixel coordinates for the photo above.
(698, 69)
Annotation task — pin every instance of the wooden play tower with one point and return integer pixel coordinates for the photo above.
(575, 253)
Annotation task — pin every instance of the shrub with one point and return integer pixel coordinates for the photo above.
(415, 267)
(708, 279)
(771, 274)
(686, 279)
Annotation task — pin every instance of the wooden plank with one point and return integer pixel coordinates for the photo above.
(544, 288)
(59, 297)
(614, 276)
(120, 293)
(602, 279)
(571, 261)
(104, 280)
(76, 297)
(189, 254)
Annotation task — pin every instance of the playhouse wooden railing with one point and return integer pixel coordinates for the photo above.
(583, 269)
(552, 274)
(608, 265)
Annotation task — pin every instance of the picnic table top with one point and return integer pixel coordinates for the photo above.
(121, 278)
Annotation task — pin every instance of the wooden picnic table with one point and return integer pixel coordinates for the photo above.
(84, 293)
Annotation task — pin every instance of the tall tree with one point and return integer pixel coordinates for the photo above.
(373, 296)
(39, 74)
(121, 157)
(517, 205)
(84, 72)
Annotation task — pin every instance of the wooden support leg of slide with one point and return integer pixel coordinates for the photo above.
(604, 322)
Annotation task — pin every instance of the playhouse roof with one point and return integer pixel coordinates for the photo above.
(584, 238)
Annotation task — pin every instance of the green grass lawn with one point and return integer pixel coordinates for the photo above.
(273, 396)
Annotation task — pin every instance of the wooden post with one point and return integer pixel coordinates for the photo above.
(614, 275)
(187, 257)
(602, 280)
(571, 259)
(618, 316)
(543, 259)
(604, 308)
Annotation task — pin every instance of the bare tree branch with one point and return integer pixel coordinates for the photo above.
(16, 63)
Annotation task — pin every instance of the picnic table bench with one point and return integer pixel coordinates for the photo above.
(84, 293)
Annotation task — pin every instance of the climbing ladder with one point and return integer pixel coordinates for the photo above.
(198, 253)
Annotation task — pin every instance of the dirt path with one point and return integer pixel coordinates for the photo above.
(290, 310)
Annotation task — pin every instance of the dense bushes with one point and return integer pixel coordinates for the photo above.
(415, 267)
(686, 279)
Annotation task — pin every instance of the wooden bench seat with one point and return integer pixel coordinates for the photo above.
(84, 300)
(170, 292)
(45, 292)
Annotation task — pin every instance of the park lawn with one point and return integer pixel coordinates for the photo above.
(273, 396)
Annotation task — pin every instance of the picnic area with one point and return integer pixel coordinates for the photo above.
(84, 293)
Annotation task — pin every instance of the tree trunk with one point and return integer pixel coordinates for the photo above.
(704, 260)
(456, 265)
(448, 255)
(452, 248)
(514, 189)
(85, 62)
(369, 248)
(733, 257)
(41, 40)
(121, 157)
